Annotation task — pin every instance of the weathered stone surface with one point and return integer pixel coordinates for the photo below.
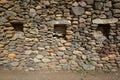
(117, 5)
(90, 1)
(88, 67)
(78, 10)
(99, 5)
(105, 21)
(15, 64)
(60, 53)
(116, 0)
(115, 11)
(59, 22)
(46, 60)
(32, 12)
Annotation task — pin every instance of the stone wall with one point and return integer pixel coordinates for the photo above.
(60, 35)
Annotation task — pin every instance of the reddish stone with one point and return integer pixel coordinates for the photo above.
(19, 49)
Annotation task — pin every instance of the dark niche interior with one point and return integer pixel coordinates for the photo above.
(104, 29)
(60, 31)
(18, 26)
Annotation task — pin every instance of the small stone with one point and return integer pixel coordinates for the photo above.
(63, 61)
(18, 35)
(46, 60)
(19, 49)
(66, 67)
(28, 51)
(116, 5)
(99, 5)
(36, 60)
(41, 48)
(88, 67)
(9, 35)
(83, 4)
(88, 13)
(14, 64)
(61, 48)
(75, 4)
(11, 56)
(109, 4)
(90, 1)
(78, 53)
(1, 45)
(34, 31)
(105, 59)
(39, 56)
(38, 7)
(3, 1)
(60, 53)
(32, 12)
(112, 56)
(84, 57)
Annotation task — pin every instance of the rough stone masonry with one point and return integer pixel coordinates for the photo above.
(60, 34)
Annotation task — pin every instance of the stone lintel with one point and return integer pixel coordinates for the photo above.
(105, 21)
(55, 22)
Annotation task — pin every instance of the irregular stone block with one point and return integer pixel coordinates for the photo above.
(99, 5)
(78, 10)
(117, 5)
(116, 0)
(105, 21)
(88, 67)
(90, 1)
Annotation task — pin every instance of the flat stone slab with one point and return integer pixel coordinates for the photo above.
(105, 21)
(59, 22)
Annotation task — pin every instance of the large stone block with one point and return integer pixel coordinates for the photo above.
(105, 21)
(78, 10)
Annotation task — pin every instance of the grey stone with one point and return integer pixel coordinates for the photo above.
(32, 12)
(99, 5)
(78, 10)
(109, 14)
(116, 0)
(105, 21)
(1, 63)
(90, 1)
(116, 11)
(88, 67)
(18, 35)
(10, 13)
(60, 53)
(66, 66)
(108, 4)
(59, 22)
(68, 52)
(116, 5)
(118, 37)
(34, 31)
(100, 0)
(14, 64)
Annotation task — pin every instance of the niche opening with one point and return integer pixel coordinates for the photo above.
(60, 30)
(104, 30)
(18, 26)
